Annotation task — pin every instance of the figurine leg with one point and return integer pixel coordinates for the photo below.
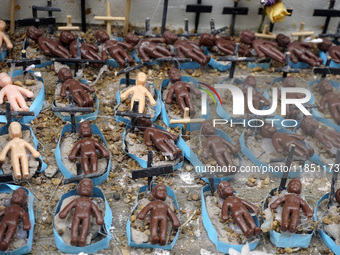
(162, 231)
(22, 103)
(248, 232)
(227, 158)
(285, 219)
(294, 220)
(141, 106)
(85, 225)
(251, 224)
(74, 231)
(24, 167)
(3, 228)
(173, 148)
(78, 99)
(181, 103)
(16, 166)
(86, 99)
(85, 165)
(94, 163)
(14, 104)
(189, 104)
(154, 230)
(219, 159)
(8, 237)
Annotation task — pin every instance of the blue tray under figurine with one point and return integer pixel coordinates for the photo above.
(263, 65)
(299, 65)
(3, 55)
(216, 64)
(131, 243)
(91, 248)
(323, 55)
(62, 167)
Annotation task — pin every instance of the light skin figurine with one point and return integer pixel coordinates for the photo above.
(75, 87)
(331, 99)
(159, 215)
(13, 93)
(3, 37)
(18, 147)
(139, 92)
(87, 147)
(292, 204)
(257, 96)
(11, 216)
(238, 208)
(83, 206)
(300, 51)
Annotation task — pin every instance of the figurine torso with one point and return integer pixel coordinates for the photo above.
(12, 215)
(83, 207)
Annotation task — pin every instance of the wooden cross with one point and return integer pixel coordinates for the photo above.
(234, 11)
(328, 14)
(301, 34)
(198, 9)
(265, 33)
(186, 120)
(69, 26)
(12, 28)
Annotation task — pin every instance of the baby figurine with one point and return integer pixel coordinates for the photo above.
(239, 210)
(11, 216)
(139, 92)
(337, 196)
(219, 146)
(18, 147)
(299, 51)
(181, 90)
(87, 147)
(13, 93)
(282, 141)
(82, 212)
(333, 50)
(331, 99)
(292, 113)
(292, 204)
(3, 37)
(75, 87)
(159, 215)
(257, 96)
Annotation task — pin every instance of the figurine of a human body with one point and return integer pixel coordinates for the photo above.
(3, 37)
(87, 147)
(11, 216)
(337, 196)
(257, 96)
(292, 204)
(331, 99)
(291, 113)
(18, 147)
(82, 212)
(238, 208)
(333, 50)
(159, 215)
(300, 51)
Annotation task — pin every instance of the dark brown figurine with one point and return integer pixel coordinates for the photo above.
(291, 113)
(282, 141)
(331, 99)
(159, 215)
(300, 51)
(238, 208)
(83, 206)
(75, 87)
(247, 37)
(257, 96)
(181, 90)
(282, 40)
(292, 204)
(334, 52)
(337, 196)
(218, 146)
(325, 45)
(11, 216)
(87, 147)
(190, 49)
(268, 48)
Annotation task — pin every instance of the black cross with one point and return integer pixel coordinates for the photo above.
(165, 13)
(216, 31)
(83, 16)
(24, 62)
(328, 14)
(326, 70)
(186, 30)
(234, 11)
(336, 36)
(334, 178)
(271, 26)
(148, 31)
(10, 114)
(286, 69)
(150, 172)
(198, 9)
(80, 176)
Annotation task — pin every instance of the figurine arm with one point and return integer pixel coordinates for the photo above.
(34, 152)
(74, 151)
(277, 202)
(168, 99)
(250, 206)
(125, 45)
(305, 207)
(97, 214)
(4, 152)
(323, 102)
(102, 149)
(232, 147)
(256, 46)
(320, 136)
(63, 89)
(147, 138)
(170, 136)
(67, 209)
(225, 211)
(298, 137)
(2, 212)
(157, 40)
(173, 218)
(206, 149)
(87, 87)
(151, 99)
(8, 42)
(25, 92)
(26, 221)
(193, 89)
(277, 145)
(126, 93)
(2, 94)
(144, 211)
(91, 46)
(43, 46)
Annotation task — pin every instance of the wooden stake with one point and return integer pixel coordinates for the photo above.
(301, 34)
(265, 34)
(186, 120)
(127, 16)
(69, 26)
(12, 16)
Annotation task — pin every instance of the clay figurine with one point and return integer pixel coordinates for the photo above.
(299, 51)
(282, 40)
(82, 212)
(247, 37)
(337, 196)
(291, 113)
(18, 147)
(75, 87)
(181, 90)
(139, 92)
(327, 137)
(11, 216)
(3, 37)
(159, 215)
(257, 96)
(114, 48)
(331, 99)
(13, 93)
(282, 141)
(292, 204)
(238, 208)
(268, 48)
(87, 147)
(219, 147)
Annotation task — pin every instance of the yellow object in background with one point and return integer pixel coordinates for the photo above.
(277, 12)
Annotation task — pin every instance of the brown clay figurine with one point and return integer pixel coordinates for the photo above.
(247, 37)
(331, 99)
(181, 90)
(337, 196)
(87, 147)
(282, 141)
(3, 37)
(292, 113)
(82, 212)
(257, 96)
(139, 92)
(11, 216)
(219, 146)
(282, 40)
(13, 93)
(292, 204)
(300, 51)
(238, 208)
(75, 87)
(18, 147)
(268, 48)
(159, 215)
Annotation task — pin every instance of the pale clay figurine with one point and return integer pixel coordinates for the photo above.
(3, 37)
(139, 92)
(18, 147)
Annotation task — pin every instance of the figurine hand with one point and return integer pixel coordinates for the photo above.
(27, 227)
(168, 101)
(309, 214)
(256, 210)
(71, 157)
(63, 94)
(148, 143)
(36, 154)
(176, 223)
(100, 221)
(62, 215)
(225, 217)
(141, 217)
(106, 154)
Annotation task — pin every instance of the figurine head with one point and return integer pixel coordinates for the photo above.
(170, 37)
(208, 128)
(294, 186)
(224, 190)
(207, 40)
(325, 45)
(19, 197)
(132, 38)
(159, 192)
(64, 74)
(66, 37)
(143, 123)
(84, 129)
(85, 187)
(309, 125)
(141, 79)
(5, 79)
(102, 36)
(2, 26)
(247, 37)
(289, 82)
(15, 130)
(282, 40)
(33, 33)
(325, 86)
(337, 196)
(174, 75)
(250, 81)
(268, 130)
